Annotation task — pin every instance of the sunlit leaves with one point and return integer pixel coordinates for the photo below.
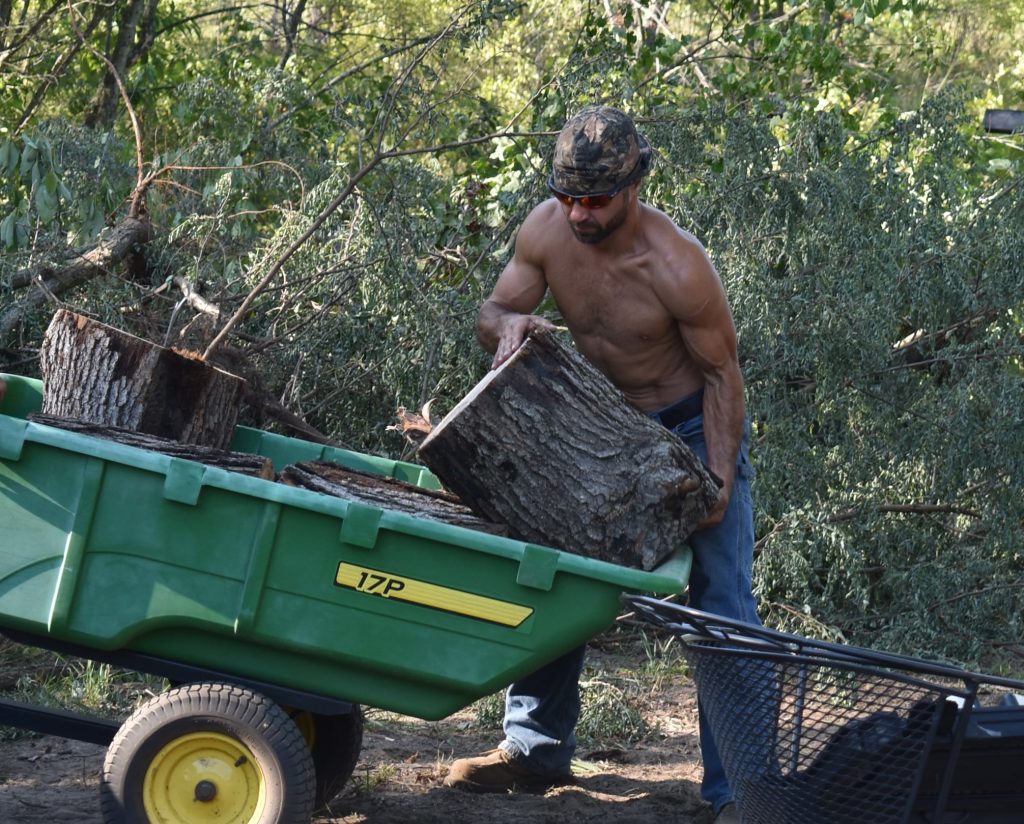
(32, 190)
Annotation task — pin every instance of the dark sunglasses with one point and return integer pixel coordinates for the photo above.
(597, 200)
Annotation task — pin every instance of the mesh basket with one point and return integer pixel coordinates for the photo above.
(811, 732)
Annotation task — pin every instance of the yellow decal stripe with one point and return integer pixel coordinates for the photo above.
(386, 585)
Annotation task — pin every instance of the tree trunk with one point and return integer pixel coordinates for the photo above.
(136, 18)
(242, 462)
(98, 374)
(547, 445)
(331, 479)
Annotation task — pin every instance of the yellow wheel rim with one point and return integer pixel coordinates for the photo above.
(303, 719)
(204, 777)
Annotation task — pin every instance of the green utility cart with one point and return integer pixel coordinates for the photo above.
(274, 611)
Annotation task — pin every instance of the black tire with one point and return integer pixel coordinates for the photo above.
(200, 745)
(334, 741)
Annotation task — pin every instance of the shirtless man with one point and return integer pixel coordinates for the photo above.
(645, 305)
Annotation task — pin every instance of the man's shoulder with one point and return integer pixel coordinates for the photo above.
(662, 227)
(543, 214)
(544, 226)
(683, 260)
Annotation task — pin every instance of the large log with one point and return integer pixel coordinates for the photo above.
(389, 493)
(95, 373)
(547, 445)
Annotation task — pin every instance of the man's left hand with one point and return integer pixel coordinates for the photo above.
(716, 514)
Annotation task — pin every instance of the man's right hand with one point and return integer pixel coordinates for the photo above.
(514, 330)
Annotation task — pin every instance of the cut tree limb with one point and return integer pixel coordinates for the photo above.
(547, 445)
(95, 373)
(114, 246)
(387, 493)
(242, 462)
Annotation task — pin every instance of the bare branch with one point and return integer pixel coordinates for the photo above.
(57, 72)
(334, 81)
(29, 34)
(291, 29)
(332, 207)
(192, 18)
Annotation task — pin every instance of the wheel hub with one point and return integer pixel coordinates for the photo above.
(204, 777)
(206, 791)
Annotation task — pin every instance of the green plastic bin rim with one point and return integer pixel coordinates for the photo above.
(24, 395)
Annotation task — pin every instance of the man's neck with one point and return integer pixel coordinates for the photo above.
(624, 239)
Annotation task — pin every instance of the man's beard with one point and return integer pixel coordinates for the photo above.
(595, 232)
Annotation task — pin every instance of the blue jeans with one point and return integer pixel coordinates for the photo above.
(542, 709)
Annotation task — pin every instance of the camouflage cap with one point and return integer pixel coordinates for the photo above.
(598, 150)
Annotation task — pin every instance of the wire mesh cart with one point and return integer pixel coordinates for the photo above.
(812, 732)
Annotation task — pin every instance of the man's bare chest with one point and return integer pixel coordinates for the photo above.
(618, 308)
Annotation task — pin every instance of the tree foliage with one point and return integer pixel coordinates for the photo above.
(870, 279)
(318, 195)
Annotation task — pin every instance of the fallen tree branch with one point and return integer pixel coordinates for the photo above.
(881, 509)
(191, 297)
(113, 246)
(907, 509)
(318, 222)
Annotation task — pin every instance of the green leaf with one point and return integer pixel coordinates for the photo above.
(29, 158)
(46, 204)
(8, 156)
(7, 231)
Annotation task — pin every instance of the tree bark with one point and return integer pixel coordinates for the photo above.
(242, 462)
(95, 373)
(547, 445)
(389, 493)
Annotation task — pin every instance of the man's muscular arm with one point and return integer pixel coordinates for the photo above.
(506, 317)
(693, 293)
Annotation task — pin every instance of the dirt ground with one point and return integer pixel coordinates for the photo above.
(398, 779)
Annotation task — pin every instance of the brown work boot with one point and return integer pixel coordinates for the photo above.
(498, 772)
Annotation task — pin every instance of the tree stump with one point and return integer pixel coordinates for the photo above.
(98, 374)
(547, 445)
